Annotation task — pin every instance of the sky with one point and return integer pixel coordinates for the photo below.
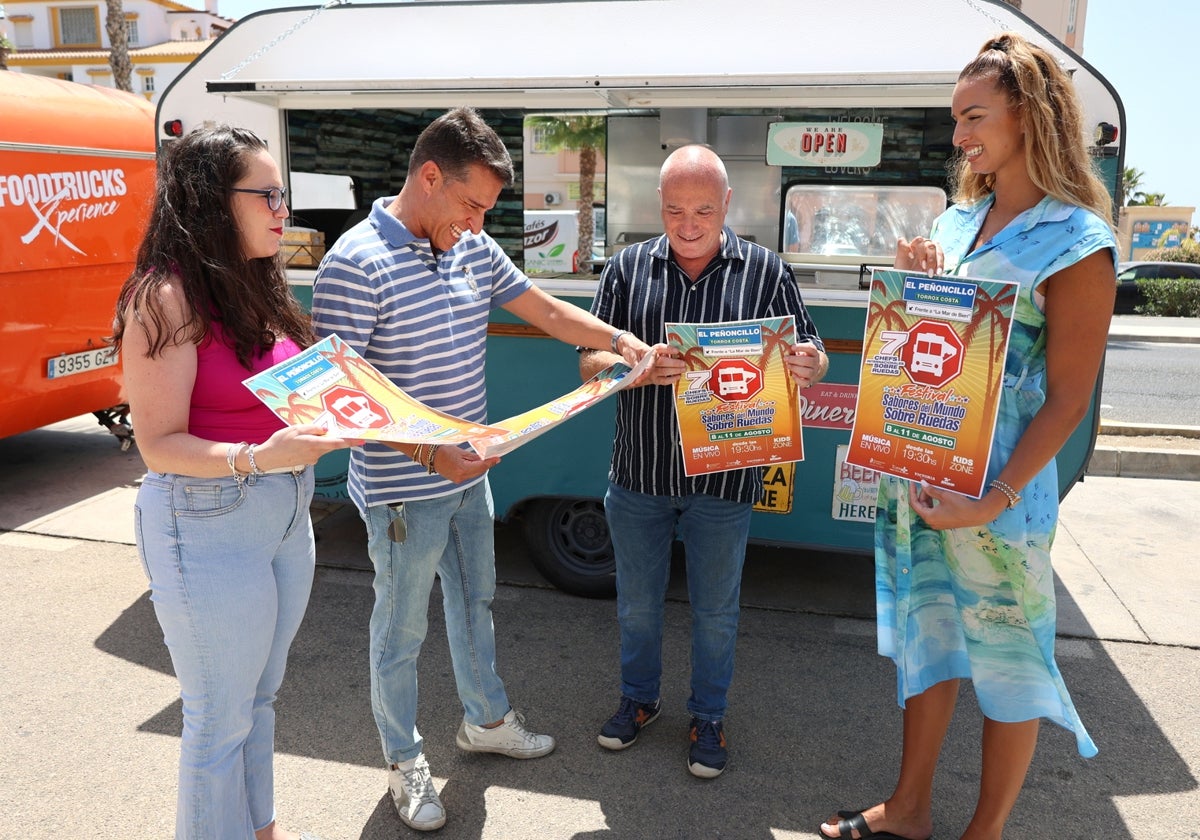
(1138, 47)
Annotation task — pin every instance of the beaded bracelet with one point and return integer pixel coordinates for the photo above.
(254, 470)
(432, 452)
(1011, 494)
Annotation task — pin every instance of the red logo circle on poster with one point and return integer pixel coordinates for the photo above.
(933, 354)
(734, 380)
(355, 408)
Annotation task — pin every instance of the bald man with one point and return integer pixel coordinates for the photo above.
(698, 271)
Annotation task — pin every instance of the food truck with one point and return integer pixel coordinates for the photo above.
(76, 179)
(835, 130)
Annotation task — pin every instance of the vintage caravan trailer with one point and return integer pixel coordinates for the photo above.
(331, 93)
(76, 177)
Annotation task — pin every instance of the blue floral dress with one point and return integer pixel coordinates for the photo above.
(979, 602)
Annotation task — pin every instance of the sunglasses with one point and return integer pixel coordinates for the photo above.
(274, 196)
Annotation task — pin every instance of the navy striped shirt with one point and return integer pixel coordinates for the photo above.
(422, 321)
(641, 290)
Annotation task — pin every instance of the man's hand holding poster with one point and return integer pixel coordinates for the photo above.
(932, 370)
(736, 405)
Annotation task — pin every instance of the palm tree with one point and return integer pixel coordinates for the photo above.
(1145, 199)
(587, 134)
(1131, 179)
(118, 40)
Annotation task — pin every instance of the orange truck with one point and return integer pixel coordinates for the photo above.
(76, 183)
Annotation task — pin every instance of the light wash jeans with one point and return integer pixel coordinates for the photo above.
(230, 568)
(714, 533)
(451, 536)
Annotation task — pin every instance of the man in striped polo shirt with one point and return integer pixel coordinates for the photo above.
(410, 289)
(699, 271)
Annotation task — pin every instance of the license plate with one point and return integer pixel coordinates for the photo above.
(70, 364)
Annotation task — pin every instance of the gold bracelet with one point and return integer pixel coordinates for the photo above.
(1012, 495)
(418, 454)
(432, 452)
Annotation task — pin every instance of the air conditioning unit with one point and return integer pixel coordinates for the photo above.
(552, 198)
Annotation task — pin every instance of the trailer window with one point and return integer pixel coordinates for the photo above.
(856, 222)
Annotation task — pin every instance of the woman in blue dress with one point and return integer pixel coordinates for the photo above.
(964, 587)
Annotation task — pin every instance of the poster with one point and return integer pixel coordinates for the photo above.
(932, 369)
(331, 385)
(524, 427)
(855, 490)
(736, 405)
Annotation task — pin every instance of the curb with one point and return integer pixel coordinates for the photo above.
(1109, 427)
(1153, 335)
(1145, 462)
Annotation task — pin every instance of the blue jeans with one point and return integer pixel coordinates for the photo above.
(451, 536)
(714, 533)
(230, 568)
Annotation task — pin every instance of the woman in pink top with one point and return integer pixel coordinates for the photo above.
(222, 519)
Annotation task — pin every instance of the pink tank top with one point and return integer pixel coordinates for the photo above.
(223, 408)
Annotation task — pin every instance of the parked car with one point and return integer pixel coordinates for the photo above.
(1129, 296)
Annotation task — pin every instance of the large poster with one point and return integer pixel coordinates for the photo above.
(736, 405)
(932, 370)
(333, 386)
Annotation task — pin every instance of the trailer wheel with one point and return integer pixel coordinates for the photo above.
(569, 544)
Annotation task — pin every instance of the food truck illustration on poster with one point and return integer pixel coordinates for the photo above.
(932, 370)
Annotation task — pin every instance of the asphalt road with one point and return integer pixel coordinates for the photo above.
(90, 716)
(1148, 382)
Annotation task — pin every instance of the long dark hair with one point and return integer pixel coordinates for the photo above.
(192, 241)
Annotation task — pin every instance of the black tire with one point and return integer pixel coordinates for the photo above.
(569, 545)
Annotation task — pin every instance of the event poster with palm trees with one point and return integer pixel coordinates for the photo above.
(331, 385)
(932, 371)
(736, 405)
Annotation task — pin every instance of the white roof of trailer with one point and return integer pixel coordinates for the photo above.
(617, 54)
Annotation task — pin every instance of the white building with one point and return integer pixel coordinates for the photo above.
(67, 40)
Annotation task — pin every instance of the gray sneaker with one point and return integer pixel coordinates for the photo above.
(510, 738)
(415, 799)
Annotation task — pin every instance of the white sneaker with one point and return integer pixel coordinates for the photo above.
(415, 799)
(510, 738)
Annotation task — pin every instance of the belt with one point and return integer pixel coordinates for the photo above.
(299, 468)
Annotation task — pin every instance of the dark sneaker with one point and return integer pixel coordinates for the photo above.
(621, 730)
(707, 756)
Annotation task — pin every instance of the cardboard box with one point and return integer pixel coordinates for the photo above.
(302, 236)
(303, 256)
(303, 247)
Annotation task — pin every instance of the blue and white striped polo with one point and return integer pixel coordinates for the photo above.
(422, 321)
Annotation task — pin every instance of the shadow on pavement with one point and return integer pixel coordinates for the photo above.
(57, 466)
(813, 724)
